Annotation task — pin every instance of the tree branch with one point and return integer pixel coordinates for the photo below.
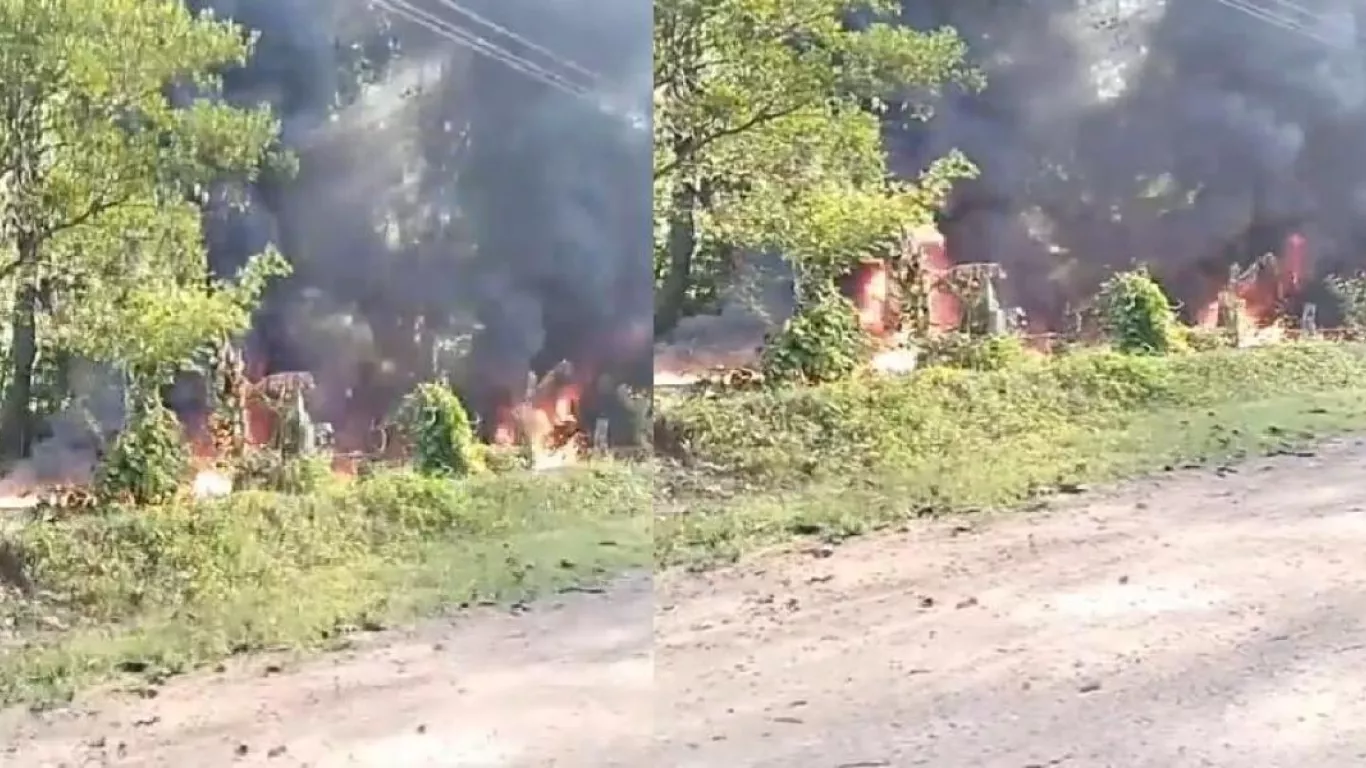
(97, 206)
(759, 118)
(10, 268)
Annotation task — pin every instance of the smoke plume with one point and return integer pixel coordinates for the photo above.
(1183, 135)
(448, 208)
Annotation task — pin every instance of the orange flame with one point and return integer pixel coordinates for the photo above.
(547, 422)
(1261, 294)
(944, 308)
(871, 291)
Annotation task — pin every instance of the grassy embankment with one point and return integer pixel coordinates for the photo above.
(143, 594)
(154, 592)
(844, 459)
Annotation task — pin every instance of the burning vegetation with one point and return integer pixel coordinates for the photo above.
(254, 423)
(438, 215)
(545, 420)
(920, 293)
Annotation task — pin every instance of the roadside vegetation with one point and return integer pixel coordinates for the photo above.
(149, 592)
(765, 146)
(117, 143)
(756, 469)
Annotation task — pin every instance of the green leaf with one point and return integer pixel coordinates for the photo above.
(100, 173)
(770, 112)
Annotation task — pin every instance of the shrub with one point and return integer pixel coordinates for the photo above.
(148, 461)
(439, 429)
(259, 544)
(1137, 316)
(1200, 339)
(263, 469)
(1350, 293)
(983, 353)
(851, 428)
(820, 344)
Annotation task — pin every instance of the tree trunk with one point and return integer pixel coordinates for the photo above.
(681, 246)
(16, 422)
(685, 194)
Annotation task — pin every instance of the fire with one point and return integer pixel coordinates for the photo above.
(872, 296)
(547, 421)
(1261, 293)
(875, 293)
(944, 308)
(209, 483)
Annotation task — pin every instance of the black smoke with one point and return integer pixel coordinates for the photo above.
(1186, 135)
(559, 187)
(450, 216)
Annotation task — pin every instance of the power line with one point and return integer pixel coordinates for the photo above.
(1275, 20)
(448, 31)
(455, 34)
(530, 45)
(1268, 16)
(1297, 8)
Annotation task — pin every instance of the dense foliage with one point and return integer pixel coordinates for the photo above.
(148, 460)
(1138, 316)
(768, 138)
(1350, 293)
(820, 345)
(438, 428)
(111, 130)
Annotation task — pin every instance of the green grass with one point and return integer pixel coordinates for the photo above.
(141, 595)
(761, 468)
(149, 593)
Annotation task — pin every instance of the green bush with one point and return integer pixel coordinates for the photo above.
(975, 353)
(859, 426)
(264, 469)
(1137, 315)
(819, 344)
(1349, 291)
(439, 429)
(174, 557)
(1200, 339)
(147, 462)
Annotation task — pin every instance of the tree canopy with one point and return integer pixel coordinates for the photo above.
(768, 135)
(111, 130)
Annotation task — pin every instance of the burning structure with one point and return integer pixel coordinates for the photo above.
(453, 217)
(1216, 143)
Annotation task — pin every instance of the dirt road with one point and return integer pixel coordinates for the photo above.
(1196, 619)
(556, 685)
(1200, 619)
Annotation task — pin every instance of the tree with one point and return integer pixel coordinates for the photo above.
(155, 326)
(768, 121)
(110, 128)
